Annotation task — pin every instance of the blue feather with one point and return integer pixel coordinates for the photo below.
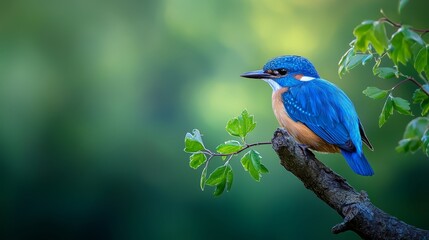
(358, 163)
(327, 111)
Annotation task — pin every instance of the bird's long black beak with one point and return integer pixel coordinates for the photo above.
(258, 74)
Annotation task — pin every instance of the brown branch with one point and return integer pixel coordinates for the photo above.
(398, 25)
(413, 80)
(360, 215)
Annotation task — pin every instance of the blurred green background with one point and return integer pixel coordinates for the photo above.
(96, 98)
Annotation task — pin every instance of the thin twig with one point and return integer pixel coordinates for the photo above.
(413, 80)
(237, 152)
(398, 25)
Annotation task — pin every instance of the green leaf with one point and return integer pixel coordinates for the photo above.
(402, 41)
(228, 147)
(219, 189)
(408, 145)
(371, 32)
(424, 105)
(379, 39)
(412, 35)
(233, 127)
(193, 142)
(402, 106)
(416, 127)
(197, 159)
(425, 142)
(344, 61)
(422, 60)
(229, 178)
(264, 169)
(356, 60)
(203, 178)
(375, 93)
(420, 97)
(413, 135)
(221, 177)
(251, 162)
(240, 126)
(361, 32)
(386, 112)
(401, 5)
(386, 72)
(217, 176)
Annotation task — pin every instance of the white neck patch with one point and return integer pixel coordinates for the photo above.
(274, 85)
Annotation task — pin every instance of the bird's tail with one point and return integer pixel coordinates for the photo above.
(358, 163)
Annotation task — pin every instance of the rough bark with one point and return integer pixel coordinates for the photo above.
(359, 214)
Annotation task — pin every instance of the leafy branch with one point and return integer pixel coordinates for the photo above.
(222, 177)
(404, 47)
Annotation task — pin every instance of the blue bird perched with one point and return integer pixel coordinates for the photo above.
(314, 111)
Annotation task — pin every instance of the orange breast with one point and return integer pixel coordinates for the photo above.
(298, 130)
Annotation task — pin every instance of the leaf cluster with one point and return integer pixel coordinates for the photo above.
(388, 53)
(222, 177)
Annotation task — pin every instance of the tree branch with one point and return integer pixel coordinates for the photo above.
(398, 25)
(360, 215)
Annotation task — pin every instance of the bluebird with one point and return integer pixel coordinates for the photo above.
(315, 112)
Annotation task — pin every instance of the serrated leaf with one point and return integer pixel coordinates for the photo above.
(386, 112)
(233, 127)
(203, 178)
(379, 38)
(420, 97)
(386, 72)
(217, 176)
(422, 60)
(402, 41)
(229, 178)
(401, 5)
(375, 93)
(193, 142)
(251, 162)
(196, 160)
(371, 32)
(228, 147)
(240, 126)
(247, 122)
(402, 106)
(361, 33)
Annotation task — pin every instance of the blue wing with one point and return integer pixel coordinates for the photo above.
(327, 111)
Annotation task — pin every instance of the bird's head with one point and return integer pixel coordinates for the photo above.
(285, 71)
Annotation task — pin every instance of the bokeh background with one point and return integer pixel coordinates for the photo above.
(96, 98)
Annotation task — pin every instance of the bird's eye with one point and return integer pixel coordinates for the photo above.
(282, 71)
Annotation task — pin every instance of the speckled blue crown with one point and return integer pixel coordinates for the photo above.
(294, 63)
